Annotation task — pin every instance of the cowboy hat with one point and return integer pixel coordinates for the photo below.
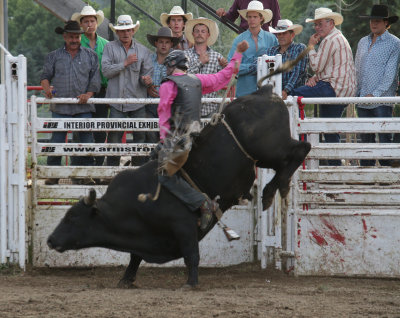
(212, 27)
(380, 11)
(124, 22)
(88, 11)
(176, 10)
(69, 27)
(326, 13)
(257, 6)
(163, 32)
(286, 25)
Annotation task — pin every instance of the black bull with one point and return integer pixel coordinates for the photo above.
(164, 230)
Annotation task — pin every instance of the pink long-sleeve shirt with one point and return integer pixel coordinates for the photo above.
(209, 83)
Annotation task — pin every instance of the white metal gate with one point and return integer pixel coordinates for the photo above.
(347, 217)
(214, 249)
(13, 110)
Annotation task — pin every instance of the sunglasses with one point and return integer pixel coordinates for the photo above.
(124, 22)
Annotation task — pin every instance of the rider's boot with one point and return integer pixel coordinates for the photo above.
(207, 211)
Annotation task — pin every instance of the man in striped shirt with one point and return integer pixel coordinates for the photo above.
(333, 66)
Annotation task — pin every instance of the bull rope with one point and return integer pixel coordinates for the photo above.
(143, 197)
(216, 117)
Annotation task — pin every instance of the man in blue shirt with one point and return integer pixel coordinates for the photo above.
(259, 41)
(285, 32)
(377, 62)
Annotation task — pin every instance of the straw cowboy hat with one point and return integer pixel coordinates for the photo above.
(176, 10)
(326, 13)
(69, 27)
(163, 32)
(380, 11)
(212, 27)
(286, 25)
(88, 11)
(124, 22)
(257, 6)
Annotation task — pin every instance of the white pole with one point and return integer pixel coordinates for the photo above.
(9, 159)
(3, 206)
(21, 171)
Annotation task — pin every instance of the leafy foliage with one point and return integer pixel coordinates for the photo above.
(31, 27)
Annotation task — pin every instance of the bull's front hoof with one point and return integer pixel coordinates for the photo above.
(125, 284)
(267, 201)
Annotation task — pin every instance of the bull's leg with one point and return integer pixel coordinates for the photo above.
(270, 190)
(192, 265)
(130, 272)
(298, 154)
(281, 180)
(189, 246)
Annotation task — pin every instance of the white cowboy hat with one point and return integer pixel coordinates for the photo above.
(286, 25)
(212, 27)
(326, 13)
(257, 6)
(124, 22)
(88, 11)
(176, 10)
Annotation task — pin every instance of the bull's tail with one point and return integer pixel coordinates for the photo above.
(143, 197)
(287, 66)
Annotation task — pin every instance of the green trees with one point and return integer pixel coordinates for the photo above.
(31, 27)
(31, 33)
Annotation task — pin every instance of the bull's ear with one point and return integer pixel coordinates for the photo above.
(91, 198)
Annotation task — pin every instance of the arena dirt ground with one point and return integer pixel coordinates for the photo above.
(238, 291)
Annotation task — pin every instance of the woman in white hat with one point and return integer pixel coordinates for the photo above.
(258, 39)
(285, 32)
(176, 20)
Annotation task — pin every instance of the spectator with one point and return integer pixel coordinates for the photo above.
(377, 63)
(73, 71)
(259, 41)
(333, 66)
(237, 5)
(285, 32)
(202, 59)
(179, 110)
(127, 65)
(163, 42)
(176, 21)
(89, 20)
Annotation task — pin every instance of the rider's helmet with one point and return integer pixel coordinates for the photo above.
(178, 59)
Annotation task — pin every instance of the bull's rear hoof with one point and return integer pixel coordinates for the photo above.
(124, 284)
(189, 287)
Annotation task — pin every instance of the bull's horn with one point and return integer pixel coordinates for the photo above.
(89, 200)
(285, 67)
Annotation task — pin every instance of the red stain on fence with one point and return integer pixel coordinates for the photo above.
(318, 238)
(333, 232)
(364, 226)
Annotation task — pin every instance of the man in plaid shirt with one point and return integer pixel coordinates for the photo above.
(202, 59)
(285, 32)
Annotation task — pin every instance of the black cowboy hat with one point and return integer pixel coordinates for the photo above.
(163, 32)
(69, 27)
(380, 11)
